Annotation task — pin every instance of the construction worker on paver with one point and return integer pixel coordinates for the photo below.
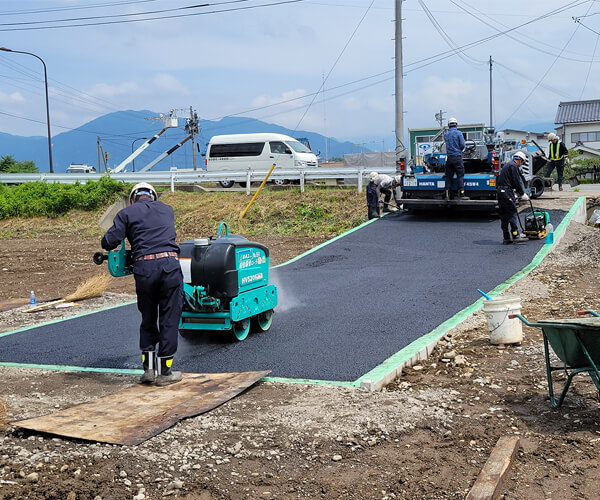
(509, 181)
(149, 226)
(455, 143)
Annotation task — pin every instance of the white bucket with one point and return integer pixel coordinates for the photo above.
(503, 330)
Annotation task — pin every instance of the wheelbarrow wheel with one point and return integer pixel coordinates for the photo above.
(262, 322)
(241, 329)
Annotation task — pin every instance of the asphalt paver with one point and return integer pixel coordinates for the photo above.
(343, 308)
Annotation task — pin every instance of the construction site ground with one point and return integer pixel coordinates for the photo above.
(426, 436)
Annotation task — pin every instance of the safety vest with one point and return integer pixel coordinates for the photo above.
(554, 149)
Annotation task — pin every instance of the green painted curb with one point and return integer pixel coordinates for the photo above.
(402, 356)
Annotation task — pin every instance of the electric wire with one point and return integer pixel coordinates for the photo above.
(545, 74)
(158, 18)
(112, 16)
(74, 7)
(335, 63)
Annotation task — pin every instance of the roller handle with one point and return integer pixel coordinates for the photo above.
(99, 258)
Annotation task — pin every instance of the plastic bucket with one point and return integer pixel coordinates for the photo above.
(503, 330)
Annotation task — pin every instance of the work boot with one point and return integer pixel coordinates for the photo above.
(519, 238)
(166, 376)
(560, 187)
(149, 365)
(507, 238)
(461, 195)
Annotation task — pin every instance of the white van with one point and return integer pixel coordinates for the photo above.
(256, 151)
(80, 168)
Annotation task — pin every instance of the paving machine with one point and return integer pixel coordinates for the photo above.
(226, 283)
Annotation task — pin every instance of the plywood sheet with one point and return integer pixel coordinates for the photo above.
(136, 414)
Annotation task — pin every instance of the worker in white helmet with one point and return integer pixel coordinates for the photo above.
(149, 226)
(455, 143)
(509, 181)
(386, 186)
(557, 153)
(373, 196)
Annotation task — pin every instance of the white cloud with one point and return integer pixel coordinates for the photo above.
(265, 100)
(13, 97)
(165, 82)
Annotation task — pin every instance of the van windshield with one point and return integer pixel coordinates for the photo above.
(298, 147)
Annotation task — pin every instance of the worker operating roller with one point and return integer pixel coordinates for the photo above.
(149, 226)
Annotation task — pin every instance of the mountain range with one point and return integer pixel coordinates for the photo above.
(121, 132)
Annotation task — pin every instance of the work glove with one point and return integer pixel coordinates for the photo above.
(524, 197)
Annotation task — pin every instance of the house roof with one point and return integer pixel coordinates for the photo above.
(582, 147)
(578, 112)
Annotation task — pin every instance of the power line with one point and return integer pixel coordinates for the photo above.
(112, 16)
(545, 74)
(335, 63)
(74, 7)
(274, 4)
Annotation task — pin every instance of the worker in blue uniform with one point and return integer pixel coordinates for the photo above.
(557, 153)
(149, 226)
(455, 143)
(509, 181)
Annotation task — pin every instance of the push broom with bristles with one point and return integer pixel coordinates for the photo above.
(90, 288)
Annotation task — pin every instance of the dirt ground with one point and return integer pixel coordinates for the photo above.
(426, 436)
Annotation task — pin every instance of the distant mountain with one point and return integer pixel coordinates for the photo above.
(122, 132)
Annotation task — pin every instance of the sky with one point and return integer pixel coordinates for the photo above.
(325, 66)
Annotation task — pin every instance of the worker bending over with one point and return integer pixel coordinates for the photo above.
(455, 143)
(509, 181)
(386, 186)
(149, 226)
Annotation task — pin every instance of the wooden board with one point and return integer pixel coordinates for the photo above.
(8, 304)
(488, 483)
(140, 412)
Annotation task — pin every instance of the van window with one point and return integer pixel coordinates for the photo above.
(236, 150)
(280, 148)
(298, 147)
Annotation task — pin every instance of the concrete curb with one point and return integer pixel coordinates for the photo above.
(421, 348)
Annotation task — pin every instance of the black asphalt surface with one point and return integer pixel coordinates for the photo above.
(343, 309)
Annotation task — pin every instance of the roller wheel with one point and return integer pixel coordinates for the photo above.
(241, 329)
(262, 322)
(537, 187)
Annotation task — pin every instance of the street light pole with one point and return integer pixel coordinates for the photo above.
(138, 139)
(47, 105)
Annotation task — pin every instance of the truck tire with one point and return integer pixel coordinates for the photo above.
(536, 185)
(226, 184)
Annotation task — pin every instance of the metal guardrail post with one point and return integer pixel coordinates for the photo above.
(248, 182)
(302, 181)
(359, 180)
(172, 182)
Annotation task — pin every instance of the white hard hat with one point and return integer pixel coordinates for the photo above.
(552, 136)
(398, 179)
(452, 121)
(372, 175)
(143, 188)
(521, 156)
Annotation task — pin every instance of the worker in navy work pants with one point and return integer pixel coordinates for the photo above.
(509, 181)
(149, 226)
(455, 143)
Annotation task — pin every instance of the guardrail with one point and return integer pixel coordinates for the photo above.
(174, 176)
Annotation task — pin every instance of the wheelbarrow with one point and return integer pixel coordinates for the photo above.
(576, 343)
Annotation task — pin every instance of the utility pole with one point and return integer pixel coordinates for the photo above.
(491, 122)
(440, 118)
(400, 155)
(98, 143)
(191, 128)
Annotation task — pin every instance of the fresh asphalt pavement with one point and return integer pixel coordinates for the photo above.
(343, 309)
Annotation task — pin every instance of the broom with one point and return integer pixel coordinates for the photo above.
(2, 414)
(90, 288)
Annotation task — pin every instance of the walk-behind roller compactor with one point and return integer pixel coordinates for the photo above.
(226, 283)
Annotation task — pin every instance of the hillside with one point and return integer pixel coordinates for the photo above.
(120, 133)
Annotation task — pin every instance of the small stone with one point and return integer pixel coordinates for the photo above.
(33, 477)
(417, 367)
(336, 458)
(449, 355)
